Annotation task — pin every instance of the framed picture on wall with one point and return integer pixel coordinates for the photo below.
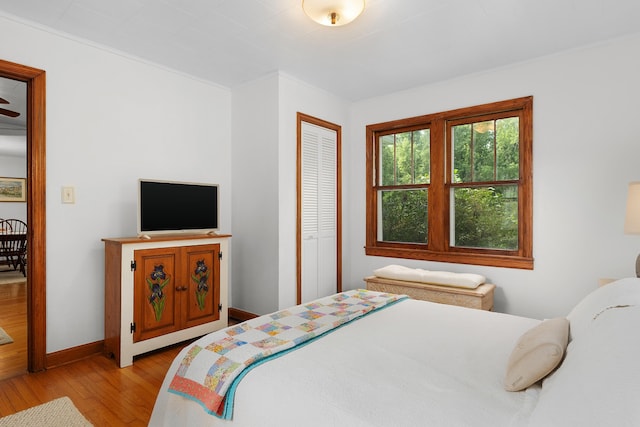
(13, 189)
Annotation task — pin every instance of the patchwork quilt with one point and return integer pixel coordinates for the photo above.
(211, 369)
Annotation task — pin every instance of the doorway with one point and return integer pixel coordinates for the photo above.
(36, 212)
(319, 208)
(13, 217)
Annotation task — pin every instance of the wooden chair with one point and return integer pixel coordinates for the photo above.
(13, 244)
(4, 228)
(4, 260)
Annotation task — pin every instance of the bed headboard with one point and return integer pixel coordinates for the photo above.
(598, 382)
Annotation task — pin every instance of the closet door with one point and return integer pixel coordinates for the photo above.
(319, 231)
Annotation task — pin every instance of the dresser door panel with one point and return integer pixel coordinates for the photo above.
(201, 299)
(156, 309)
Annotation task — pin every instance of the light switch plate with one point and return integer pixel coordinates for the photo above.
(68, 195)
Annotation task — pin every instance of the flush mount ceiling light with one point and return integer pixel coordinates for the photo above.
(333, 13)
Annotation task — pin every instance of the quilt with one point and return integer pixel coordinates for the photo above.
(209, 373)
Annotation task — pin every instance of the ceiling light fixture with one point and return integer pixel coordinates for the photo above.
(333, 13)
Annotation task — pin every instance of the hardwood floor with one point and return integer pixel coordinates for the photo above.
(105, 394)
(13, 319)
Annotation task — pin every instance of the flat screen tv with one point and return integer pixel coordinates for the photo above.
(166, 207)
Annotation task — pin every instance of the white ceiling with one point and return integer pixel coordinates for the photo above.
(393, 45)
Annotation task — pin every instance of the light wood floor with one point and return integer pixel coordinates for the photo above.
(13, 319)
(105, 394)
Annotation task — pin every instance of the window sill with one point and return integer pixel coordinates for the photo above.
(489, 260)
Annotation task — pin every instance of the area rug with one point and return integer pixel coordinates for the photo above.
(7, 277)
(4, 337)
(58, 412)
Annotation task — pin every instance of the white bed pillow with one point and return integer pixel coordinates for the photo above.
(536, 354)
(445, 278)
(618, 293)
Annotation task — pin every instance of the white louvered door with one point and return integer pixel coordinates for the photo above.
(319, 211)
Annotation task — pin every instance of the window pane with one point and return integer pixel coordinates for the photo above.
(461, 140)
(404, 216)
(508, 148)
(404, 158)
(422, 155)
(485, 217)
(483, 154)
(387, 160)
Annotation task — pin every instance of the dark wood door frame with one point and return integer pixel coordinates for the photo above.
(36, 214)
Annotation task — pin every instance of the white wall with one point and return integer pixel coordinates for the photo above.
(585, 151)
(297, 96)
(264, 186)
(255, 196)
(111, 120)
(13, 166)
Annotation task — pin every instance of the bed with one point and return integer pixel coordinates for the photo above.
(413, 363)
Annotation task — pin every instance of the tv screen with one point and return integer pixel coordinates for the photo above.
(173, 207)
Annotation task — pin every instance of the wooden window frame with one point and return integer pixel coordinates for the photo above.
(438, 248)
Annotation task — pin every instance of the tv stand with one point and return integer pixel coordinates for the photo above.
(179, 235)
(133, 325)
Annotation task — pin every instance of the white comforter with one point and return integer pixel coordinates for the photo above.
(415, 363)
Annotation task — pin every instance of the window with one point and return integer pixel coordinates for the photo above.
(453, 186)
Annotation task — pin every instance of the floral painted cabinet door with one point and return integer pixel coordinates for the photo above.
(156, 311)
(175, 288)
(201, 299)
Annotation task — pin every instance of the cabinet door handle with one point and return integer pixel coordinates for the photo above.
(181, 288)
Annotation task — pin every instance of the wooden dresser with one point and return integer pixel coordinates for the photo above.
(162, 291)
(480, 297)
